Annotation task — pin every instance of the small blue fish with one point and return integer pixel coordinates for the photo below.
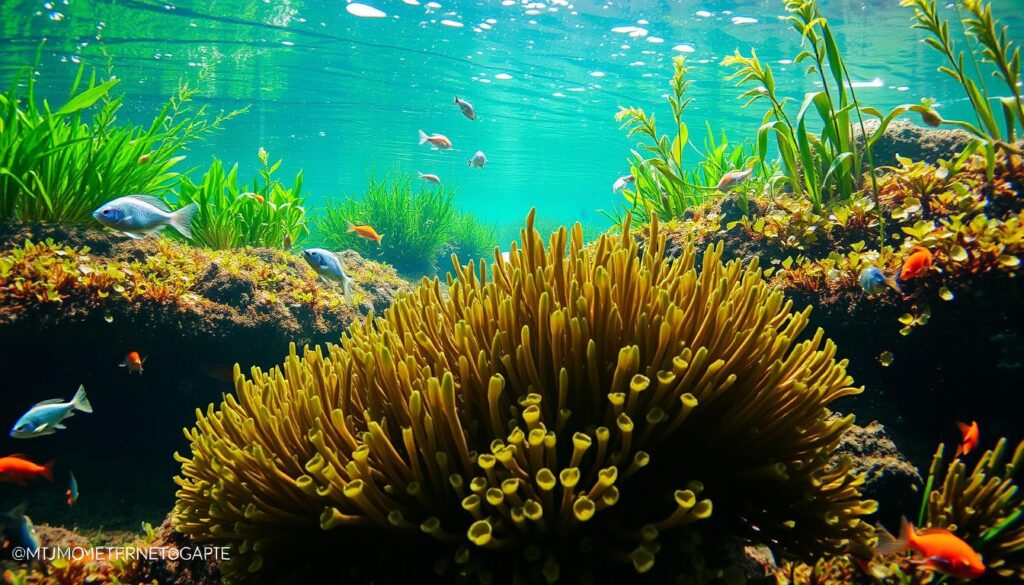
(329, 267)
(72, 491)
(24, 531)
(45, 418)
(873, 281)
(138, 216)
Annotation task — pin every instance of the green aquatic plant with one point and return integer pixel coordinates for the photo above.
(824, 167)
(1000, 52)
(660, 185)
(61, 164)
(549, 419)
(231, 215)
(415, 222)
(471, 239)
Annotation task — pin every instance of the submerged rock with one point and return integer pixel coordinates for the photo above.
(888, 475)
(906, 139)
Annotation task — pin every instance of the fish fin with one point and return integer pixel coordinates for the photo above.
(964, 427)
(181, 220)
(133, 235)
(349, 226)
(456, 99)
(48, 469)
(379, 238)
(959, 451)
(59, 426)
(423, 137)
(122, 365)
(154, 201)
(81, 401)
(887, 545)
(45, 402)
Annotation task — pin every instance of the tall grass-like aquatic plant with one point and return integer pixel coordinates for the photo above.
(998, 51)
(414, 222)
(266, 213)
(661, 184)
(61, 164)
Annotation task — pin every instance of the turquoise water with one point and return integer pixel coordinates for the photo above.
(340, 96)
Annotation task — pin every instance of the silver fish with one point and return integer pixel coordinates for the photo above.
(622, 181)
(466, 107)
(733, 178)
(329, 267)
(138, 216)
(45, 417)
(478, 160)
(430, 178)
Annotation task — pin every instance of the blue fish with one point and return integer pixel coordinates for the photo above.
(329, 267)
(24, 531)
(137, 216)
(873, 281)
(72, 491)
(45, 418)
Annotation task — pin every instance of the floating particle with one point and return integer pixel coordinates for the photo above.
(640, 32)
(491, 21)
(532, 12)
(508, 2)
(558, 94)
(885, 359)
(637, 64)
(655, 40)
(945, 294)
(412, 2)
(743, 20)
(108, 318)
(364, 11)
(624, 29)
(433, 5)
(503, 76)
(576, 89)
(703, 14)
(642, 21)
(902, 88)
(785, 61)
(288, 43)
(485, 26)
(597, 73)
(684, 48)
(452, 23)
(485, 81)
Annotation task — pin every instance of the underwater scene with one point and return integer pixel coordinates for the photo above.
(511, 292)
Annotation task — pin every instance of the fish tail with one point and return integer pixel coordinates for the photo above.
(893, 283)
(423, 137)
(346, 287)
(379, 238)
(181, 220)
(456, 99)
(81, 401)
(887, 545)
(349, 226)
(48, 469)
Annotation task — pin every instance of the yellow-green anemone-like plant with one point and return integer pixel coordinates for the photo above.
(572, 414)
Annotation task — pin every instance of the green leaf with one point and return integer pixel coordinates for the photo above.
(86, 99)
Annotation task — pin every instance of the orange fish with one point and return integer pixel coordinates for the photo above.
(942, 550)
(919, 261)
(133, 362)
(144, 159)
(365, 231)
(17, 469)
(254, 196)
(438, 141)
(969, 442)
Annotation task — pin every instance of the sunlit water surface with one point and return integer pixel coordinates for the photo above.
(340, 94)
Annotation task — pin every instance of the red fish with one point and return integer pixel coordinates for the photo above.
(133, 362)
(969, 441)
(144, 159)
(17, 469)
(942, 550)
(919, 261)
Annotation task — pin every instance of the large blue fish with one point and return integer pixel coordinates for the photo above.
(329, 267)
(137, 216)
(45, 418)
(873, 281)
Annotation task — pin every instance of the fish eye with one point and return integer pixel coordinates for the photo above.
(106, 211)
